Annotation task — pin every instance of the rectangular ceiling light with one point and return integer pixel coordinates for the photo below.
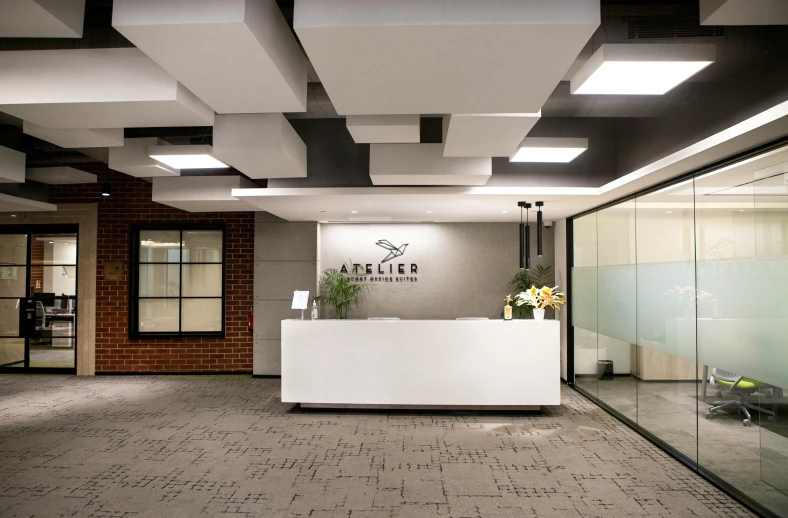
(640, 69)
(561, 150)
(186, 157)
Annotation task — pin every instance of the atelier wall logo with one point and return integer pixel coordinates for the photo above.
(394, 251)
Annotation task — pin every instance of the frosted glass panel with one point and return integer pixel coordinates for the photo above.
(584, 302)
(158, 315)
(202, 314)
(159, 280)
(160, 246)
(202, 246)
(13, 249)
(202, 280)
(12, 281)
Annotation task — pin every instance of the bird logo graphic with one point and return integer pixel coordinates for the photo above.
(394, 251)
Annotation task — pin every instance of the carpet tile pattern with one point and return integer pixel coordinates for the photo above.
(226, 446)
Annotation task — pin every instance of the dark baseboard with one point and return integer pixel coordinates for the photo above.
(267, 376)
(174, 373)
(721, 484)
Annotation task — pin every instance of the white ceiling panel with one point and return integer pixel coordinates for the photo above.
(424, 164)
(41, 18)
(76, 138)
(239, 56)
(12, 166)
(133, 159)
(202, 193)
(260, 145)
(10, 203)
(743, 12)
(384, 129)
(452, 56)
(95, 88)
(485, 135)
(60, 175)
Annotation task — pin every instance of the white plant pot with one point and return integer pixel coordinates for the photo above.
(538, 314)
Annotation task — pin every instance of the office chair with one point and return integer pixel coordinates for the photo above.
(43, 330)
(740, 387)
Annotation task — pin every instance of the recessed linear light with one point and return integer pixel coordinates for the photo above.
(557, 150)
(186, 157)
(640, 69)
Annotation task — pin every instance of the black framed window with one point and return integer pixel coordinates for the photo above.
(177, 276)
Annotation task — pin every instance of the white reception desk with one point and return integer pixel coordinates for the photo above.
(421, 363)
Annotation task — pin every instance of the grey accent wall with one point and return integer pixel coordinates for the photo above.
(285, 259)
(463, 268)
(561, 279)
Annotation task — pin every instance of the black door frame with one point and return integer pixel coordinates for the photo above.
(29, 230)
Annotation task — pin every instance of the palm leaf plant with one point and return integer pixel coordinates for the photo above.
(339, 292)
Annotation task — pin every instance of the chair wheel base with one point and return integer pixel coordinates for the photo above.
(772, 419)
(710, 415)
(747, 422)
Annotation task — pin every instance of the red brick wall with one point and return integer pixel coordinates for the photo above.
(115, 352)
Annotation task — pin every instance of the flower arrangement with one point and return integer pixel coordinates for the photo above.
(689, 295)
(541, 298)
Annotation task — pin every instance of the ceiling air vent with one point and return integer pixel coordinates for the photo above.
(671, 28)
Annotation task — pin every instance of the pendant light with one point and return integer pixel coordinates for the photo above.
(539, 205)
(521, 204)
(527, 238)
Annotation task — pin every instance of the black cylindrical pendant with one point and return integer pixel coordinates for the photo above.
(522, 246)
(539, 234)
(527, 247)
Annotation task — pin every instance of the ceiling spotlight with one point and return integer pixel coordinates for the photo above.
(639, 69)
(105, 189)
(354, 212)
(561, 150)
(429, 212)
(504, 212)
(668, 212)
(742, 210)
(186, 157)
(13, 215)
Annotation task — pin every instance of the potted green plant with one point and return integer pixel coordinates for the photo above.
(541, 298)
(339, 292)
(538, 275)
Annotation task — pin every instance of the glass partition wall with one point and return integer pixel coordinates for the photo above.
(680, 317)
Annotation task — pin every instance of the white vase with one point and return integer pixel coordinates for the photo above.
(538, 314)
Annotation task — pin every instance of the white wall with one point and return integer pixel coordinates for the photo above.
(60, 252)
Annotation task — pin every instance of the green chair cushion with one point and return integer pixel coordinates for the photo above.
(744, 384)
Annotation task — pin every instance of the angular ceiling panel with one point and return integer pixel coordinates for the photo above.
(260, 145)
(12, 166)
(743, 12)
(424, 164)
(60, 175)
(384, 129)
(41, 18)
(453, 56)
(202, 193)
(485, 135)
(10, 203)
(95, 88)
(133, 159)
(239, 56)
(76, 138)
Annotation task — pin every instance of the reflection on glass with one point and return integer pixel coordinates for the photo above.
(202, 246)
(12, 281)
(202, 314)
(9, 317)
(13, 249)
(584, 308)
(202, 280)
(52, 249)
(159, 280)
(12, 352)
(158, 315)
(59, 352)
(160, 246)
(616, 302)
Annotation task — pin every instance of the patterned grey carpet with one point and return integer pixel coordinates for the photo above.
(226, 446)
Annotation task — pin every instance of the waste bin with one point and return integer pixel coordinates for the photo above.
(604, 369)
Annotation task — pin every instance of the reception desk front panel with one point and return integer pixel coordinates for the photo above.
(421, 363)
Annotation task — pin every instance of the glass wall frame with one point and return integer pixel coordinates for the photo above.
(692, 275)
(177, 280)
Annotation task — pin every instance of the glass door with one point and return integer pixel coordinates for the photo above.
(38, 298)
